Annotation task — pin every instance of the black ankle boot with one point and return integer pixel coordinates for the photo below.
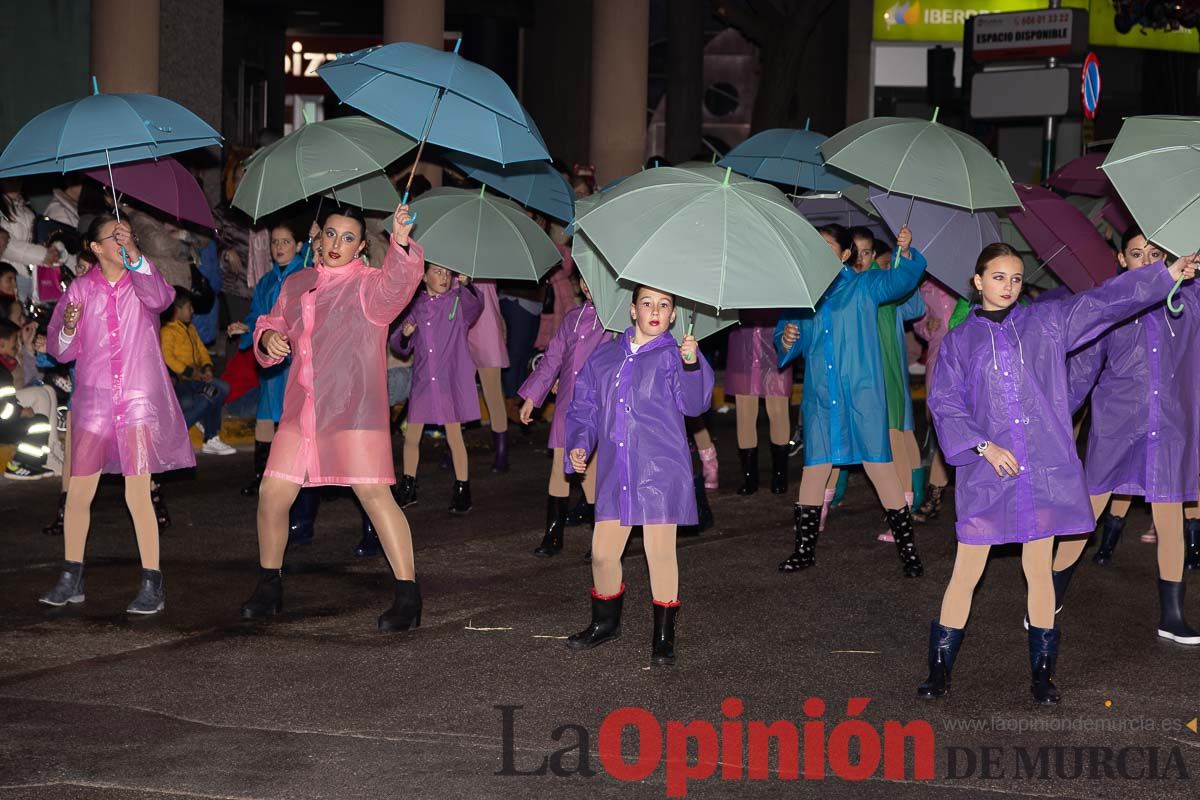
(1171, 624)
(267, 600)
(261, 451)
(606, 622)
(56, 528)
(556, 522)
(749, 459)
(584, 513)
(68, 589)
(460, 498)
(302, 516)
(1110, 533)
(662, 645)
(500, 445)
(160, 508)
(1191, 543)
(1043, 655)
(405, 613)
(943, 649)
(779, 468)
(151, 597)
(805, 520)
(406, 491)
(368, 546)
(900, 521)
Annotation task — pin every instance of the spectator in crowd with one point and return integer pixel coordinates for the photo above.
(19, 424)
(201, 396)
(8, 273)
(64, 206)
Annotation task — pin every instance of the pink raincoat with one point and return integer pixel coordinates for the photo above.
(335, 424)
(124, 415)
(486, 338)
(939, 303)
(443, 377)
(559, 282)
(750, 368)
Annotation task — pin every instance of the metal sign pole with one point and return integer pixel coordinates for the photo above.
(1050, 131)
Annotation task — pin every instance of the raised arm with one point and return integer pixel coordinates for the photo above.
(1086, 315)
(890, 285)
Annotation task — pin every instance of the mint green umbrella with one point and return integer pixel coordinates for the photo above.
(710, 236)
(374, 193)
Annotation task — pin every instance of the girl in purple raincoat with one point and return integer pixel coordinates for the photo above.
(433, 330)
(578, 336)
(751, 373)
(999, 401)
(629, 407)
(1145, 434)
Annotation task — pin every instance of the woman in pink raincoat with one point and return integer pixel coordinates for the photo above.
(124, 415)
(751, 373)
(333, 321)
(489, 351)
(939, 307)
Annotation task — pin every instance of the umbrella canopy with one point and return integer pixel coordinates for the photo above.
(920, 158)
(1036, 273)
(786, 156)
(1081, 176)
(101, 129)
(315, 158)
(950, 238)
(712, 237)
(613, 297)
(482, 236)
(1063, 238)
(374, 193)
(402, 84)
(839, 208)
(535, 184)
(1107, 213)
(163, 184)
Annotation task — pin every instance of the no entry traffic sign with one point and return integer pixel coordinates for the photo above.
(1090, 85)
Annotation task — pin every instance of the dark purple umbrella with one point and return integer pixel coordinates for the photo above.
(163, 184)
(950, 238)
(1082, 176)
(835, 209)
(1063, 238)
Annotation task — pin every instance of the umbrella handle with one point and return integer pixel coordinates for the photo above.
(1171, 298)
(412, 215)
(454, 310)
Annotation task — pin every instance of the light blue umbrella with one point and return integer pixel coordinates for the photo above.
(786, 156)
(536, 184)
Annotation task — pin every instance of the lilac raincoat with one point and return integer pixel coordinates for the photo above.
(1145, 435)
(629, 408)
(750, 367)
(124, 415)
(1007, 384)
(486, 338)
(577, 338)
(443, 382)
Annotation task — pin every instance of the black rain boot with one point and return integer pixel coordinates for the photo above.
(779, 468)
(160, 508)
(406, 491)
(662, 645)
(943, 649)
(69, 588)
(900, 521)
(405, 613)
(460, 498)
(151, 597)
(261, 451)
(500, 445)
(556, 522)
(368, 546)
(749, 460)
(1171, 624)
(1043, 655)
(606, 621)
(302, 516)
(805, 521)
(1110, 533)
(584, 513)
(267, 600)
(56, 528)
(1191, 543)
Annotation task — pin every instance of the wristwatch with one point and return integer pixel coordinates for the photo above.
(981, 447)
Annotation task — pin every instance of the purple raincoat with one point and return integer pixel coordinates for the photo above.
(626, 401)
(443, 380)
(1145, 435)
(577, 338)
(750, 367)
(1007, 383)
(124, 415)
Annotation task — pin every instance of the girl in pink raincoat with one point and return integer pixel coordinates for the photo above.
(335, 428)
(124, 415)
(751, 373)
(487, 341)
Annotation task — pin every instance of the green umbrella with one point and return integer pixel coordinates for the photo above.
(715, 238)
(920, 158)
(315, 158)
(1155, 167)
(374, 193)
(613, 297)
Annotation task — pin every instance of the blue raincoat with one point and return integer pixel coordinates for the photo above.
(271, 380)
(844, 406)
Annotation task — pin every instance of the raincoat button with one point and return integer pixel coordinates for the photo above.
(624, 488)
(835, 402)
(1156, 391)
(620, 444)
(1006, 374)
(1153, 349)
(1016, 422)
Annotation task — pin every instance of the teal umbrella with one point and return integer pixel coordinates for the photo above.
(786, 156)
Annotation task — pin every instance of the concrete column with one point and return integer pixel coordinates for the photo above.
(423, 22)
(620, 64)
(685, 78)
(125, 45)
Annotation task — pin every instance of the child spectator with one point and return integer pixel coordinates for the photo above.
(201, 396)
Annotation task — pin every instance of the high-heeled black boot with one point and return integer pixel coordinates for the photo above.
(748, 457)
(302, 516)
(160, 508)
(56, 528)
(900, 521)
(406, 491)
(267, 599)
(556, 522)
(368, 546)
(606, 621)
(1191, 543)
(662, 644)
(943, 649)
(1110, 534)
(460, 497)
(584, 513)
(405, 613)
(1043, 657)
(1171, 624)
(500, 445)
(806, 521)
(261, 451)
(779, 468)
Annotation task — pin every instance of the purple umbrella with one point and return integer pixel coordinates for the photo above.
(1082, 176)
(1064, 238)
(950, 238)
(835, 209)
(163, 184)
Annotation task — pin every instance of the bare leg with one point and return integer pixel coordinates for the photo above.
(938, 474)
(1037, 559)
(1069, 550)
(275, 497)
(66, 470)
(1168, 520)
(1121, 505)
(412, 448)
(813, 481)
(746, 411)
(969, 563)
(145, 521)
(493, 396)
(887, 484)
(900, 460)
(779, 420)
(79, 515)
(659, 543)
(458, 450)
(701, 436)
(558, 476)
(392, 527)
(589, 479)
(608, 542)
(1190, 510)
(264, 430)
